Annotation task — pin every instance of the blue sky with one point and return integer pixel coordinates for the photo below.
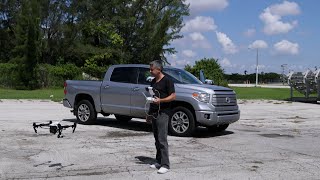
(283, 32)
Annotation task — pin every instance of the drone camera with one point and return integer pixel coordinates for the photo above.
(53, 129)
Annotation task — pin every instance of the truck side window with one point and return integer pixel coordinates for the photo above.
(124, 75)
(144, 73)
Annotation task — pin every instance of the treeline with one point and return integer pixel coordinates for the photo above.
(213, 71)
(251, 78)
(47, 38)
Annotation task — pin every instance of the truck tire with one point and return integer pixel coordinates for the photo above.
(122, 118)
(181, 122)
(218, 128)
(85, 112)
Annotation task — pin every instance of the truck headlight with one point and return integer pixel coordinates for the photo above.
(202, 97)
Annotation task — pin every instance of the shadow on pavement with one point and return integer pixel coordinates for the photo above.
(200, 132)
(145, 160)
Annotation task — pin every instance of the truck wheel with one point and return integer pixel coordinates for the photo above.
(182, 122)
(85, 112)
(218, 128)
(122, 118)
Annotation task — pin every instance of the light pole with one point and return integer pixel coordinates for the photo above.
(257, 67)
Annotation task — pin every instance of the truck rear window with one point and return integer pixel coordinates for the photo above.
(124, 75)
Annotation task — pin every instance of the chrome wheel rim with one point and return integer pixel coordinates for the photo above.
(180, 122)
(83, 112)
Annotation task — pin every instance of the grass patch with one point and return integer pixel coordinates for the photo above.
(264, 93)
(242, 93)
(34, 94)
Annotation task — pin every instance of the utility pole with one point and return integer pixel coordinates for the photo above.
(257, 67)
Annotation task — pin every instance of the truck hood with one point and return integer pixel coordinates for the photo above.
(203, 87)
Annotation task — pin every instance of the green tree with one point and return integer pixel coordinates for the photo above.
(148, 27)
(211, 68)
(53, 13)
(9, 10)
(26, 51)
(92, 34)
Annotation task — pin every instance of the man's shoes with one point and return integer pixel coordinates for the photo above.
(155, 166)
(163, 170)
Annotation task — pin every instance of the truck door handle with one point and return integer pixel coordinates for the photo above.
(136, 89)
(106, 87)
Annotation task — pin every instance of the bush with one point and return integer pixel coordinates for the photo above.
(212, 70)
(54, 76)
(8, 75)
(95, 71)
(47, 75)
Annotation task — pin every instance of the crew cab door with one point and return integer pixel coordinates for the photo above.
(116, 92)
(138, 100)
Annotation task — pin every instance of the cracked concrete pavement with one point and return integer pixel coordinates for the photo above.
(272, 140)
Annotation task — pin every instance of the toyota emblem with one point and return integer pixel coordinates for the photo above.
(228, 100)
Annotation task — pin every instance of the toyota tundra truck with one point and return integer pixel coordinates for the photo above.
(121, 93)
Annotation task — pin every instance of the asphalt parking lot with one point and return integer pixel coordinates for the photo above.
(272, 140)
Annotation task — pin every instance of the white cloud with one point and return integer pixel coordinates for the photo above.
(202, 44)
(174, 56)
(196, 40)
(274, 25)
(199, 41)
(205, 5)
(286, 8)
(250, 32)
(228, 46)
(196, 36)
(225, 63)
(258, 44)
(230, 67)
(286, 47)
(272, 18)
(242, 67)
(199, 24)
(180, 63)
(261, 67)
(189, 53)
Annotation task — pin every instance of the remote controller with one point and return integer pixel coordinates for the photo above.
(149, 99)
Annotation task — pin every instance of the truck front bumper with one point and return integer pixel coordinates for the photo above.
(209, 118)
(66, 103)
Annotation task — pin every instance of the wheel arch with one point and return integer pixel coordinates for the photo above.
(82, 96)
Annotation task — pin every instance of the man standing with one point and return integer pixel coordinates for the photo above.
(159, 114)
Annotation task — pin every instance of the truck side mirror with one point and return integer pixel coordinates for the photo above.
(202, 77)
(204, 80)
(209, 81)
(149, 79)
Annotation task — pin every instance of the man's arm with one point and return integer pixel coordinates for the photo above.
(170, 98)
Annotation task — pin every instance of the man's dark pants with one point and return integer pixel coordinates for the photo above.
(160, 132)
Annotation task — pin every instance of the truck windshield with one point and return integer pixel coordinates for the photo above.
(180, 76)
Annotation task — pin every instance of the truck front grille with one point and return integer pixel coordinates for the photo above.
(223, 100)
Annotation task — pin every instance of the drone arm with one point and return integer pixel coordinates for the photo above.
(35, 125)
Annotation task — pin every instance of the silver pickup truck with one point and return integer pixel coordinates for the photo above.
(121, 93)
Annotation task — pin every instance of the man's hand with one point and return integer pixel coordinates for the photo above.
(156, 100)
